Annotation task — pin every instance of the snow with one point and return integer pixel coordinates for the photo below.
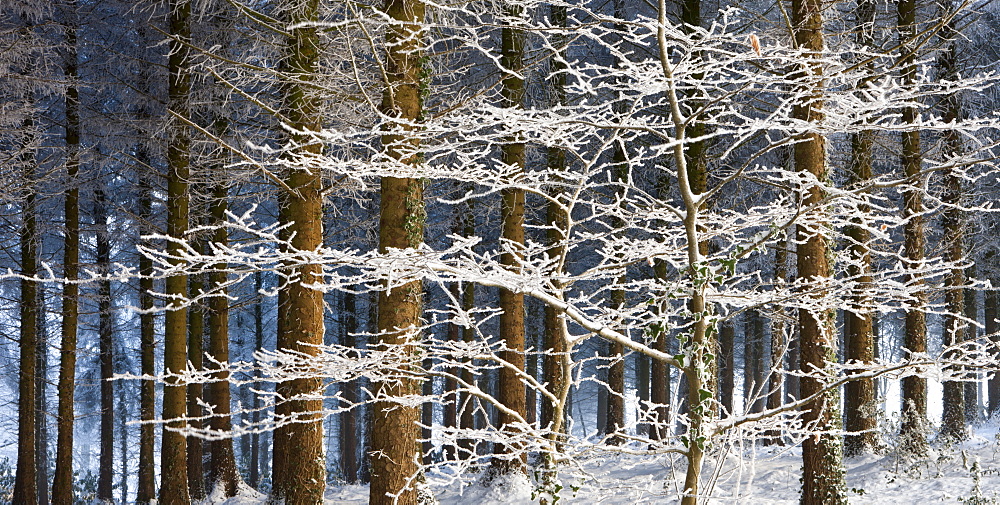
(763, 475)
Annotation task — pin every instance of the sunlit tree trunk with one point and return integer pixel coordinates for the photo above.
(822, 454)
(511, 388)
(299, 468)
(554, 369)
(394, 447)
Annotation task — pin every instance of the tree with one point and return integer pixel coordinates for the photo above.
(914, 416)
(299, 470)
(394, 448)
(859, 339)
(511, 387)
(62, 485)
(173, 449)
(105, 331)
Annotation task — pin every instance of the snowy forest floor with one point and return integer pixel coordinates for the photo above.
(966, 473)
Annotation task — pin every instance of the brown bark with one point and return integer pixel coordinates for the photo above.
(25, 477)
(146, 491)
(556, 351)
(349, 419)
(173, 449)
(195, 391)
(512, 394)
(774, 395)
(914, 411)
(859, 337)
(299, 470)
(401, 224)
(222, 470)
(62, 484)
(822, 454)
(953, 418)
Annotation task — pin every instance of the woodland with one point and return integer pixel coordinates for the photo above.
(281, 246)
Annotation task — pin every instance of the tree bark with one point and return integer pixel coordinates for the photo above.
(173, 449)
(556, 359)
(953, 418)
(299, 469)
(255, 417)
(62, 485)
(822, 454)
(222, 473)
(349, 419)
(914, 409)
(991, 311)
(859, 338)
(25, 478)
(511, 393)
(195, 391)
(105, 476)
(394, 447)
(146, 491)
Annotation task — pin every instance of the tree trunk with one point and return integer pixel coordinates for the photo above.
(953, 418)
(467, 415)
(173, 449)
(973, 400)
(349, 419)
(25, 478)
(822, 454)
(727, 367)
(777, 371)
(299, 469)
(991, 311)
(642, 373)
(555, 365)
(615, 415)
(511, 393)
(146, 491)
(255, 440)
(914, 410)
(859, 337)
(427, 416)
(222, 474)
(394, 447)
(105, 476)
(62, 485)
(195, 391)
(123, 442)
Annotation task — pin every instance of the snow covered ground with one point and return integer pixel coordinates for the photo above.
(966, 473)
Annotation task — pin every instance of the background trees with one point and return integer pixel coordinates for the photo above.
(656, 164)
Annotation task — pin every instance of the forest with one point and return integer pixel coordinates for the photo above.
(402, 252)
